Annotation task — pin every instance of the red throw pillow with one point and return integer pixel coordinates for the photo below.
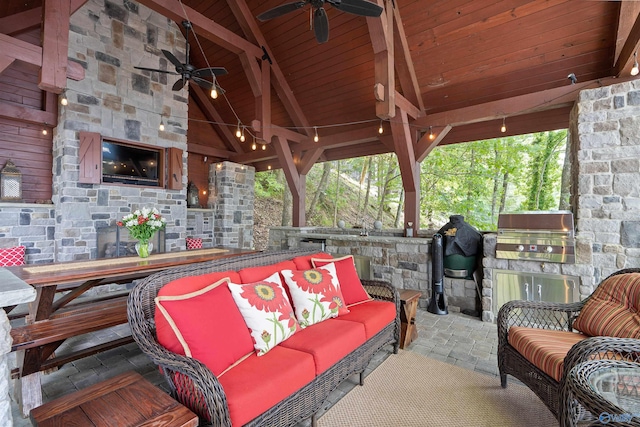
(197, 317)
(304, 262)
(12, 256)
(350, 283)
(316, 294)
(266, 310)
(194, 243)
(255, 274)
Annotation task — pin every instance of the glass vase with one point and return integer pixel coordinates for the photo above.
(144, 248)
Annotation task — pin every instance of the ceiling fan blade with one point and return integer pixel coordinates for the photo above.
(283, 9)
(321, 25)
(208, 72)
(155, 70)
(357, 7)
(172, 58)
(179, 84)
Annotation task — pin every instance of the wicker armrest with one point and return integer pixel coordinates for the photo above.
(602, 348)
(535, 314)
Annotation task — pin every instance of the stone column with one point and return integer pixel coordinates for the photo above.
(13, 291)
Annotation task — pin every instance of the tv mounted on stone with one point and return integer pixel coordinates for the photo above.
(129, 164)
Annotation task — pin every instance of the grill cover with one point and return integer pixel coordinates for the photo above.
(460, 238)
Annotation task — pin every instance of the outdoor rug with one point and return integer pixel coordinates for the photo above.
(409, 389)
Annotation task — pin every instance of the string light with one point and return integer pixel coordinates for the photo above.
(214, 92)
(161, 127)
(380, 129)
(238, 132)
(242, 138)
(254, 146)
(63, 98)
(269, 167)
(431, 135)
(503, 128)
(44, 131)
(315, 137)
(264, 147)
(635, 70)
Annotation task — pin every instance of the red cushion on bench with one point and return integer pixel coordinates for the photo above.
(260, 382)
(328, 341)
(256, 274)
(208, 325)
(304, 262)
(374, 315)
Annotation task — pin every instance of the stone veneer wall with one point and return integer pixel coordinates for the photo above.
(200, 223)
(231, 193)
(29, 225)
(109, 38)
(605, 129)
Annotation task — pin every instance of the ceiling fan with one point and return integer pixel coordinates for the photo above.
(320, 20)
(188, 71)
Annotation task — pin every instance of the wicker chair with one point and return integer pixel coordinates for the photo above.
(559, 317)
(193, 384)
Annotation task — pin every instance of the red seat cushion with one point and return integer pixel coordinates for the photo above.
(612, 310)
(374, 315)
(12, 256)
(350, 283)
(545, 348)
(197, 317)
(258, 383)
(304, 262)
(256, 274)
(328, 341)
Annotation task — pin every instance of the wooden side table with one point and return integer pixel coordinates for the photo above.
(408, 308)
(126, 400)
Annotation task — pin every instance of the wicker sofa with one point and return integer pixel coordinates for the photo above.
(210, 396)
(539, 342)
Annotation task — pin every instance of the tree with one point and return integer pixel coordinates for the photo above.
(322, 187)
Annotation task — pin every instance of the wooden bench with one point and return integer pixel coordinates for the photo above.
(40, 339)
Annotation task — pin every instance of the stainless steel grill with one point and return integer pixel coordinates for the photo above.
(537, 236)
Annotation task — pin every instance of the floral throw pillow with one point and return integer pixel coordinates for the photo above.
(266, 311)
(315, 293)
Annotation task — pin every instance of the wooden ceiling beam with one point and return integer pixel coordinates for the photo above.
(250, 27)
(209, 151)
(625, 60)
(627, 16)
(5, 61)
(309, 159)
(283, 132)
(55, 45)
(404, 66)
(21, 22)
(28, 115)
(203, 26)
(425, 145)
(202, 98)
(381, 33)
(406, 105)
(342, 139)
(263, 102)
(295, 180)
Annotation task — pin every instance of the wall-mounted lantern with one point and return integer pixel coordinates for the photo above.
(10, 182)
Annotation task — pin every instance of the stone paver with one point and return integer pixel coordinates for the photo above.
(454, 338)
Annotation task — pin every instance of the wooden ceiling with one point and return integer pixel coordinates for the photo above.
(458, 68)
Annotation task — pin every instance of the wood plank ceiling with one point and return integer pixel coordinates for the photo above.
(458, 68)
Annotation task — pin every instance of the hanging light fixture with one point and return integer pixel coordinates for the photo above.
(315, 137)
(161, 127)
(431, 135)
(503, 128)
(63, 98)
(380, 129)
(254, 146)
(635, 70)
(238, 132)
(242, 138)
(214, 92)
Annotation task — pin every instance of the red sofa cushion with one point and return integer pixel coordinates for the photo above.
(12, 256)
(328, 341)
(202, 321)
(350, 283)
(612, 310)
(303, 262)
(545, 348)
(259, 383)
(374, 315)
(256, 274)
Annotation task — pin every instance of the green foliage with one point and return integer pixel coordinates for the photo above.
(268, 185)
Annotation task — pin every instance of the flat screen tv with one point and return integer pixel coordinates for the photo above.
(128, 164)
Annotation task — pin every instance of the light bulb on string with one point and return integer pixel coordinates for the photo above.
(380, 129)
(431, 135)
(45, 131)
(503, 128)
(269, 167)
(315, 137)
(635, 70)
(242, 138)
(254, 146)
(63, 99)
(161, 127)
(238, 132)
(214, 93)
(264, 147)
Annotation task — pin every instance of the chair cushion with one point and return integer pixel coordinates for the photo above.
(545, 348)
(259, 383)
(351, 285)
(328, 342)
(315, 293)
(612, 310)
(202, 322)
(255, 274)
(374, 315)
(303, 262)
(266, 310)
(12, 256)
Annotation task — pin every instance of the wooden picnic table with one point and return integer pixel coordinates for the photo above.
(51, 321)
